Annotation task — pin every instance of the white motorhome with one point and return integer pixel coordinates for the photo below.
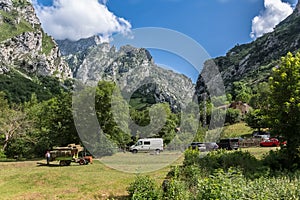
(148, 144)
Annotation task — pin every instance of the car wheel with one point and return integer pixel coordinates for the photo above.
(134, 151)
(62, 163)
(157, 151)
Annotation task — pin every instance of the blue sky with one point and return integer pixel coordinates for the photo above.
(217, 25)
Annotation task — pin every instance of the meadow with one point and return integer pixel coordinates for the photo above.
(30, 180)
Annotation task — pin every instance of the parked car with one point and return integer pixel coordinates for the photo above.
(147, 145)
(198, 146)
(210, 146)
(272, 142)
(229, 143)
(261, 134)
(204, 146)
(262, 137)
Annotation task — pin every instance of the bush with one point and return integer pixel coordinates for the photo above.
(221, 185)
(2, 155)
(232, 116)
(176, 190)
(278, 161)
(143, 188)
(191, 157)
(222, 159)
(233, 185)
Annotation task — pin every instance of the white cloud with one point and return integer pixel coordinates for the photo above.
(70, 19)
(275, 11)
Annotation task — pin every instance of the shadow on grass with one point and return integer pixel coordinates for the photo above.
(41, 164)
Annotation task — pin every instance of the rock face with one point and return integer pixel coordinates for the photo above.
(252, 63)
(26, 46)
(133, 69)
(6, 5)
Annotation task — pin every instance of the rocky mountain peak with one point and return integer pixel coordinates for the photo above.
(6, 5)
(133, 69)
(24, 45)
(71, 47)
(297, 9)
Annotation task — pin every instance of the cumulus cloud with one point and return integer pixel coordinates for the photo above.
(275, 11)
(70, 19)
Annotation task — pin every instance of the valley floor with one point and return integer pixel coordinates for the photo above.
(29, 180)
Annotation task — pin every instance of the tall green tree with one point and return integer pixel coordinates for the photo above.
(13, 122)
(114, 123)
(257, 119)
(285, 103)
(241, 92)
(260, 97)
(54, 123)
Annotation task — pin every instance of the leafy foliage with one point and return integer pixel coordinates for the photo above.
(285, 103)
(143, 188)
(224, 159)
(19, 89)
(232, 116)
(257, 119)
(233, 185)
(241, 92)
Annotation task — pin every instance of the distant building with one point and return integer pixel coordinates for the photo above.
(243, 107)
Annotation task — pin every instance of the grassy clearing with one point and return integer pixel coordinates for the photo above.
(237, 130)
(48, 44)
(259, 152)
(27, 180)
(141, 162)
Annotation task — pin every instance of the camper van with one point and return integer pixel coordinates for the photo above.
(148, 144)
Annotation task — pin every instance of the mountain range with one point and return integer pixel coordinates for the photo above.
(27, 50)
(252, 63)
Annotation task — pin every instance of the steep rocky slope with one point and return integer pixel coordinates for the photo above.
(252, 62)
(133, 69)
(23, 44)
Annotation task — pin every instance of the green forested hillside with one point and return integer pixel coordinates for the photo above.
(252, 63)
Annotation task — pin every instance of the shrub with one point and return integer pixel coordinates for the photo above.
(2, 155)
(278, 161)
(191, 157)
(222, 159)
(176, 190)
(143, 188)
(233, 185)
(221, 185)
(232, 116)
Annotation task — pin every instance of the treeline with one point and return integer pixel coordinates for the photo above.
(39, 115)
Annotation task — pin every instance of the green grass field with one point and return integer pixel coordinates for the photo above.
(28, 180)
(141, 162)
(237, 130)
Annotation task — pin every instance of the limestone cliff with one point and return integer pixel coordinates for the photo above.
(24, 45)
